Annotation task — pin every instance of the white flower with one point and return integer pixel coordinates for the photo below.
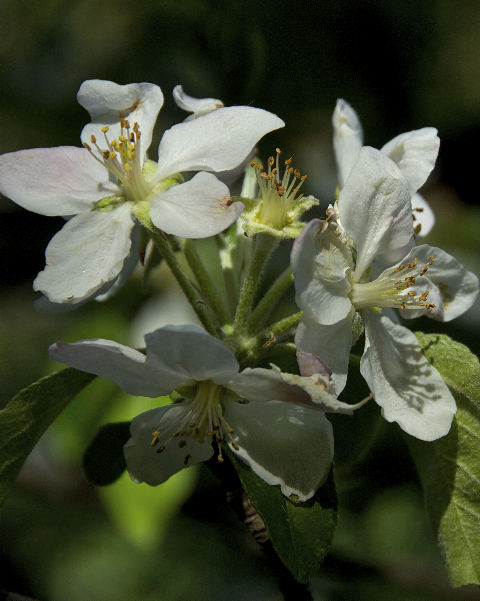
(196, 106)
(414, 153)
(333, 282)
(274, 421)
(106, 183)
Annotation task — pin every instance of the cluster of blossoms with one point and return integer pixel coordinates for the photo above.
(351, 271)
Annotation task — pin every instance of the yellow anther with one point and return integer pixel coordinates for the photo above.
(297, 173)
(86, 146)
(122, 139)
(289, 161)
(182, 443)
(229, 430)
(106, 154)
(154, 441)
(105, 128)
(160, 449)
(156, 433)
(219, 459)
(126, 124)
(93, 139)
(235, 446)
(271, 161)
(278, 151)
(127, 167)
(112, 156)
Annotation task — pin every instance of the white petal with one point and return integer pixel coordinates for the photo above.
(423, 216)
(129, 264)
(214, 142)
(107, 102)
(198, 208)
(54, 181)
(87, 252)
(331, 343)
(409, 389)
(452, 288)
(191, 353)
(375, 208)
(144, 463)
(347, 139)
(415, 153)
(197, 106)
(321, 261)
(116, 362)
(283, 444)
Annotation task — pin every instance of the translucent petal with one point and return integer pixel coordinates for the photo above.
(214, 142)
(107, 102)
(198, 208)
(415, 153)
(331, 343)
(144, 463)
(55, 181)
(116, 362)
(197, 106)
(191, 353)
(283, 444)
(423, 216)
(409, 390)
(375, 208)
(321, 261)
(452, 288)
(347, 139)
(87, 252)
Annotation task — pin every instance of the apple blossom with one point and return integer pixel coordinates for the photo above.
(273, 421)
(414, 152)
(106, 184)
(335, 283)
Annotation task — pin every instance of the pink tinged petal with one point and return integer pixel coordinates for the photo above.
(87, 252)
(452, 288)
(423, 216)
(197, 106)
(214, 142)
(409, 390)
(55, 181)
(188, 352)
(321, 261)
(347, 139)
(283, 444)
(415, 153)
(199, 208)
(310, 364)
(331, 343)
(116, 362)
(107, 102)
(375, 208)
(145, 463)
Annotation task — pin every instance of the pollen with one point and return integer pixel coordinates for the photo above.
(393, 289)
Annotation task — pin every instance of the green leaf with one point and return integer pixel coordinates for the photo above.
(104, 461)
(28, 415)
(449, 468)
(301, 533)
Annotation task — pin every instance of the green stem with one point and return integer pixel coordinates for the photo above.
(270, 299)
(207, 287)
(264, 246)
(185, 284)
(257, 347)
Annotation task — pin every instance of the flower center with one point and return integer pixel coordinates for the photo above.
(122, 159)
(201, 418)
(391, 289)
(277, 193)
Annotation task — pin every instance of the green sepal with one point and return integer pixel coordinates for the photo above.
(293, 226)
(109, 204)
(28, 415)
(103, 461)
(449, 467)
(301, 533)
